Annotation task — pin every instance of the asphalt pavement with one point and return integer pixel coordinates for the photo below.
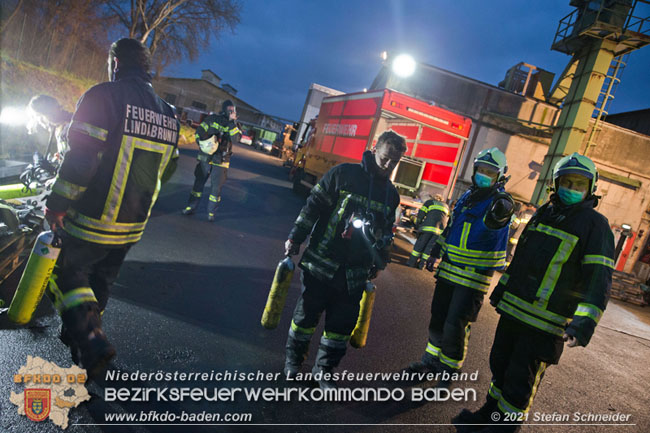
(190, 296)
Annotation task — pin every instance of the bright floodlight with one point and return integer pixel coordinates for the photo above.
(13, 116)
(404, 65)
(357, 223)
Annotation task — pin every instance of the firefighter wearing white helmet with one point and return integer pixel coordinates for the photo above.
(554, 291)
(472, 247)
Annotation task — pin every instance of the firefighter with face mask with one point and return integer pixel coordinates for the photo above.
(554, 291)
(472, 246)
(214, 136)
(430, 222)
(122, 140)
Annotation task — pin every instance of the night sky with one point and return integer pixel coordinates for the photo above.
(282, 46)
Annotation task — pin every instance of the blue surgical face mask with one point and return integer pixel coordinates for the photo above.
(482, 181)
(570, 196)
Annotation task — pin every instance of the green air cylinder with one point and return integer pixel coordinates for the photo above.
(17, 190)
(278, 294)
(360, 333)
(35, 278)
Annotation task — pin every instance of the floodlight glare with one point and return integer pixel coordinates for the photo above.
(357, 223)
(13, 116)
(404, 65)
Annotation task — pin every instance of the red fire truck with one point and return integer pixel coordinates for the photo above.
(350, 124)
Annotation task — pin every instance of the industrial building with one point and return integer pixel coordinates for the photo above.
(194, 97)
(525, 117)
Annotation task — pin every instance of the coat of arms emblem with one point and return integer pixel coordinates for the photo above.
(37, 404)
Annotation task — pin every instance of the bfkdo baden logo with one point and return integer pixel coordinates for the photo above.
(37, 404)
(50, 391)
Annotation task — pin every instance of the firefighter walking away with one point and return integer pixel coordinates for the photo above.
(122, 140)
(430, 222)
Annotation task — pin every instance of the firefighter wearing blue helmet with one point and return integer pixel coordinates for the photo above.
(554, 291)
(472, 247)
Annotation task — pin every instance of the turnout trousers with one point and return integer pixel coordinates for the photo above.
(453, 307)
(341, 313)
(518, 361)
(80, 283)
(217, 174)
(422, 248)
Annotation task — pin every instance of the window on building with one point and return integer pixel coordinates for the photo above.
(199, 105)
(170, 98)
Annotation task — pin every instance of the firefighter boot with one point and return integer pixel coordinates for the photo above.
(213, 203)
(330, 353)
(428, 364)
(467, 421)
(83, 330)
(297, 348)
(412, 261)
(192, 203)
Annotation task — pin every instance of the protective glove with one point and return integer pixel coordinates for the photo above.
(571, 341)
(291, 248)
(54, 219)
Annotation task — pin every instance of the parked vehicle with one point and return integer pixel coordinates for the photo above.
(349, 124)
(266, 145)
(245, 139)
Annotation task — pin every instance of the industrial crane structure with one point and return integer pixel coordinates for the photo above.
(599, 35)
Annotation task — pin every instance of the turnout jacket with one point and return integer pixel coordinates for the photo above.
(432, 216)
(470, 250)
(225, 131)
(561, 275)
(344, 193)
(123, 141)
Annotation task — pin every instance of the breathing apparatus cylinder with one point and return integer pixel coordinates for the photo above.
(360, 333)
(35, 278)
(278, 293)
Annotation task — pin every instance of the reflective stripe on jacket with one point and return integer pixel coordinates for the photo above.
(122, 139)
(468, 242)
(432, 216)
(560, 277)
(226, 131)
(341, 194)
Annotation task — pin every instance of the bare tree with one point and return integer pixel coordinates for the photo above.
(175, 29)
(6, 21)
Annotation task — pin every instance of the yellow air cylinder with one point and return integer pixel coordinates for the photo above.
(278, 294)
(360, 333)
(34, 279)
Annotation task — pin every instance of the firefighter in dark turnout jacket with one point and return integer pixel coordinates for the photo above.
(430, 222)
(351, 211)
(213, 162)
(122, 142)
(555, 289)
(472, 245)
